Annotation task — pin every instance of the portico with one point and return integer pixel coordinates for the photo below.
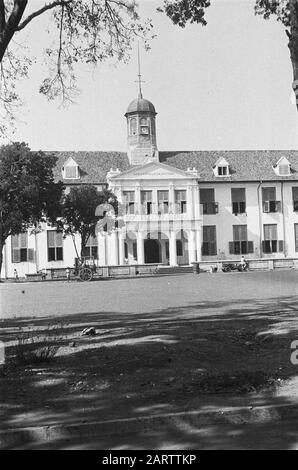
(160, 214)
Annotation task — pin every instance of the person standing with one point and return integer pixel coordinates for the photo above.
(15, 274)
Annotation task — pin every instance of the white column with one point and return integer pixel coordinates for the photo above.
(121, 247)
(101, 240)
(199, 243)
(172, 197)
(196, 199)
(140, 248)
(138, 198)
(115, 245)
(154, 201)
(191, 247)
(112, 248)
(190, 207)
(173, 250)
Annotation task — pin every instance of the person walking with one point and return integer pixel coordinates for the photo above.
(68, 274)
(15, 274)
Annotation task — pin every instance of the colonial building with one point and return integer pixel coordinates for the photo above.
(181, 207)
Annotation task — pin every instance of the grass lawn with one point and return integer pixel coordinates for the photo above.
(167, 349)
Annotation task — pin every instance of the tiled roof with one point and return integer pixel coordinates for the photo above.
(250, 165)
(93, 166)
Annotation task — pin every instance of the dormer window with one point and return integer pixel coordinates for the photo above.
(282, 167)
(221, 168)
(70, 170)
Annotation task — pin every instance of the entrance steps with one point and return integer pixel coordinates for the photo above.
(174, 269)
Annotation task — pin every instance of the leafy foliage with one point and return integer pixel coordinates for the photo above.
(28, 192)
(79, 211)
(183, 11)
(84, 31)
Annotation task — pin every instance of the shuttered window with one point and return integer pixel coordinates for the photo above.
(295, 198)
(146, 200)
(91, 248)
(180, 201)
(129, 201)
(20, 252)
(240, 245)
(270, 243)
(207, 200)
(206, 195)
(55, 245)
(269, 200)
(163, 201)
(296, 236)
(270, 232)
(209, 247)
(238, 200)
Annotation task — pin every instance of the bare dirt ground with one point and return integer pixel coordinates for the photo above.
(193, 362)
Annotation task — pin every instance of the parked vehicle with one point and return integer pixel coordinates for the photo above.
(228, 267)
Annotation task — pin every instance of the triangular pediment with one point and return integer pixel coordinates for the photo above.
(221, 162)
(70, 162)
(282, 161)
(154, 170)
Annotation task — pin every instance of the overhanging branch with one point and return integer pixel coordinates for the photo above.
(39, 12)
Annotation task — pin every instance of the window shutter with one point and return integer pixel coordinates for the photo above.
(250, 247)
(216, 208)
(24, 239)
(231, 248)
(266, 206)
(242, 207)
(59, 239)
(31, 254)
(235, 208)
(16, 255)
(264, 246)
(278, 206)
(206, 195)
(205, 248)
(51, 238)
(269, 193)
(280, 245)
(15, 241)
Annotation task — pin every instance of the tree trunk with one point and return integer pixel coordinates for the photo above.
(293, 45)
(1, 255)
(8, 28)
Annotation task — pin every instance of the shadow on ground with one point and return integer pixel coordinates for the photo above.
(210, 375)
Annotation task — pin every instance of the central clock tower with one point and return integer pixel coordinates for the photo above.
(141, 129)
(141, 132)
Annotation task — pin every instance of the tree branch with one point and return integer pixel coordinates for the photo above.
(39, 12)
(11, 25)
(2, 16)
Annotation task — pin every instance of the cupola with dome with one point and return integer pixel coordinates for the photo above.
(141, 130)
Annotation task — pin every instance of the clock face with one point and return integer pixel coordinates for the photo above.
(144, 130)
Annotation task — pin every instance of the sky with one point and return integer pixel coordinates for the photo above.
(226, 86)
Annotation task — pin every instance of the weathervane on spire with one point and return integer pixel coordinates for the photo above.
(140, 81)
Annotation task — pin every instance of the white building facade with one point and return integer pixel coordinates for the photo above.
(180, 207)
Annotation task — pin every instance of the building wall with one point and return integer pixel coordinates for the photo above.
(255, 218)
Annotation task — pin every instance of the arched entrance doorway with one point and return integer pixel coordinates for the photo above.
(152, 251)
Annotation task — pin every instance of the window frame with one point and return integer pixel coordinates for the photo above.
(56, 250)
